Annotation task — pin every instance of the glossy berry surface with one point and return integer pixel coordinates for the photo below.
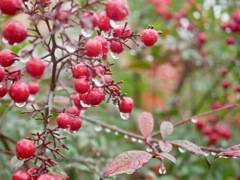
(202, 38)
(25, 149)
(95, 96)
(93, 47)
(10, 7)
(126, 105)
(21, 175)
(122, 30)
(3, 90)
(33, 87)
(76, 124)
(81, 85)
(35, 67)
(76, 100)
(2, 73)
(46, 177)
(89, 20)
(6, 58)
(117, 10)
(80, 71)
(19, 92)
(63, 120)
(73, 111)
(149, 37)
(199, 124)
(116, 47)
(104, 22)
(14, 32)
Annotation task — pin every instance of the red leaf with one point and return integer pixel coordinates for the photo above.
(127, 162)
(233, 151)
(165, 146)
(166, 129)
(145, 123)
(167, 156)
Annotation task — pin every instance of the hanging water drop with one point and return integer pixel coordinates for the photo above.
(206, 154)
(20, 104)
(98, 128)
(31, 98)
(114, 24)
(73, 132)
(86, 32)
(130, 171)
(149, 149)
(133, 139)
(126, 136)
(70, 47)
(98, 82)
(213, 153)
(115, 55)
(181, 150)
(1, 85)
(5, 41)
(140, 141)
(46, 8)
(66, 130)
(193, 120)
(125, 116)
(107, 130)
(116, 133)
(162, 170)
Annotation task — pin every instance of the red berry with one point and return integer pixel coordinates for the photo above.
(63, 120)
(19, 92)
(230, 41)
(3, 90)
(107, 79)
(202, 38)
(126, 105)
(15, 74)
(104, 43)
(15, 32)
(89, 20)
(10, 7)
(199, 124)
(2, 73)
(95, 96)
(121, 31)
(6, 58)
(33, 87)
(212, 119)
(116, 47)
(93, 48)
(224, 132)
(104, 22)
(77, 99)
(35, 67)
(208, 130)
(98, 70)
(216, 105)
(73, 111)
(63, 16)
(81, 85)
(116, 89)
(225, 84)
(46, 177)
(21, 175)
(223, 70)
(80, 71)
(32, 172)
(75, 124)
(237, 88)
(25, 149)
(117, 10)
(149, 37)
(213, 138)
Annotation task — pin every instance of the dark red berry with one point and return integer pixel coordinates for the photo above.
(223, 70)
(93, 48)
(25, 149)
(10, 7)
(6, 58)
(32, 172)
(33, 87)
(35, 67)
(75, 124)
(126, 105)
(237, 88)
(149, 37)
(216, 105)
(15, 32)
(116, 89)
(81, 85)
(95, 96)
(116, 47)
(107, 79)
(212, 119)
(122, 31)
(63, 120)
(104, 22)
(208, 130)
(2, 73)
(199, 124)
(213, 138)
(46, 177)
(80, 71)
(21, 175)
(63, 16)
(73, 111)
(226, 84)
(89, 20)
(19, 92)
(117, 10)
(3, 90)
(230, 41)
(202, 38)
(224, 132)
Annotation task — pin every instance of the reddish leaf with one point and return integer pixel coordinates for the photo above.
(189, 146)
(166, 129)
(233, 151)
(165, 146)
(167, 156)
(127, 162)
(145, 123)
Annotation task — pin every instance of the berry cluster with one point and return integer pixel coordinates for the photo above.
(233, 24)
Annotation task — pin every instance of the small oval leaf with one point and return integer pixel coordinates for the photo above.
(145, 123)
(127, 162)
(165, 146)
(189, 146)
(167, 156)
(166, 129)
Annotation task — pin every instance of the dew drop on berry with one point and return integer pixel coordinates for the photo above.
(98, 81)
(98, 128)
(115, 55)
(87, 32)
(193, 120)
(181, 150)
(1, 85)
(114, 24)
(162, 170)
(124, 116)
(83, 104)
(70, 47)
(5, 41)
(20, 104)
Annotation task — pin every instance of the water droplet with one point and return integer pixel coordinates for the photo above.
(225, 157)
(126, 136)
(149, 149)
(98, 82)
(106, 34)
(108, 130)
(206, 154)
(116, 133)
(181, 150)
(125, 116)
(234, 157)
(162, 170)
(5, 41)
(46, 8)
(31, 98)
(155, 144)
(24, 60)
(150, 58)
(73, 132)
(84, 105)
(66, 130)
(213, 153)
(115, 55)
(133, 139)
(140, 141)
(130, 171)
(194, 120)
(1, 85)
(86, 32)
(70, 47)
(114, 24)
(98, 128)
(20, 104)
